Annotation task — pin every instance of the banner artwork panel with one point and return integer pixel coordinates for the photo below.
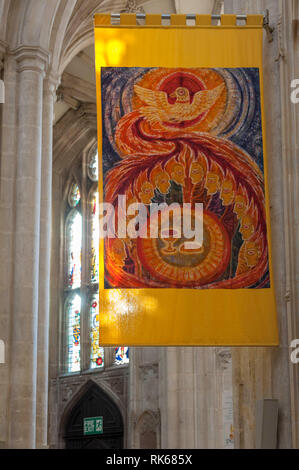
(185, 136)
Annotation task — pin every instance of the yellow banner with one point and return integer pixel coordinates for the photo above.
(181, 122)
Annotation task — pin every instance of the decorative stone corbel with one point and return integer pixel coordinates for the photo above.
(281, 52)
(266, 25)
(149, 371)
(223, 357)
(132, 7)
(287, 296)
(51, 83)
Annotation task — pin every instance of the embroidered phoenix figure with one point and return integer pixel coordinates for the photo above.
(159, 109)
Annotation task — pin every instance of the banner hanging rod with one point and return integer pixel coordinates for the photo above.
(167, 16)
(191, 16)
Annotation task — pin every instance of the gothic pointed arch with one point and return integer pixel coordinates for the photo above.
(93, 401)
(148, 430)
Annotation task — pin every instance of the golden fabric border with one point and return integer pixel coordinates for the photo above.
(208, 317)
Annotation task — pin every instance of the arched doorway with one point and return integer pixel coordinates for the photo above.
(94, 402)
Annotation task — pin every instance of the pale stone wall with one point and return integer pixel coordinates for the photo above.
(177, 397)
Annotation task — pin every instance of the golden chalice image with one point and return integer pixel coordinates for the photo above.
(169, 236)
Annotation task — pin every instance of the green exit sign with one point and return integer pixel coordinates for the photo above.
(93, 426)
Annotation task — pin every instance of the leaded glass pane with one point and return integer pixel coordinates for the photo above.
(74, 246)
(92, 167)
(121, 355)
(94, 255)
(97, 353)
(73, 314)
(74, 196)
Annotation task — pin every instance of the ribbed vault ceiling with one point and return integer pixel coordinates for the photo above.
(78, 78)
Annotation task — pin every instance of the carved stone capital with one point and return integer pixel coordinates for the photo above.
(132, 7)
(31, 58)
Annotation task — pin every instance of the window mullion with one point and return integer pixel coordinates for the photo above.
(84, 329)
(72, 299)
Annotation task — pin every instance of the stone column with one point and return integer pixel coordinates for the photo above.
(49, 89)
(7, 198)
(178, 398)
(31, 62)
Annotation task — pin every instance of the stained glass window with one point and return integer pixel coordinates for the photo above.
(94, 255)
(121, 355)
(97, 353)
(74, 195)
(73, 314)
(74, 242)
(92, 166)
(81, 314)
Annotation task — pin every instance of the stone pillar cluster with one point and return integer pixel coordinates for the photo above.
(49, 95)
(26, 168)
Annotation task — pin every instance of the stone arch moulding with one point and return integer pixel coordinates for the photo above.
(71, 179)
(80, 31)
(89, 150)
(79, 44)
(103, 390)
(72, 135)
(147, 430)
